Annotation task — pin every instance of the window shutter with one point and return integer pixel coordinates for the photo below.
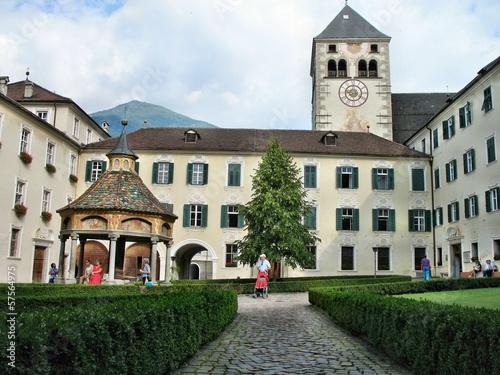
(427, 220)
(457, 211)
(464, 156)
(355, 219)
(410, 221)
(204, 215)
(466, 203)
(417, 179)
(374, 219)
(374, 179)
(234, 173)
(445, 130)
(154, 178)
(186, 217)
(136, 167)
(205, 174)
(355, 182)
(469, 113)
(223, 216)
(454, 162)
(391, 179)
(189, 177)
(449, 213)
(448, 172)
(488, 201)
(310, 219)
(339, 218)
(434, 217)
(392, 220)
(88, 170)
(473, 156)
(170, 173)
(104, 165)
(476, 205)
(241, 221)
(339, 178)
(461, 117)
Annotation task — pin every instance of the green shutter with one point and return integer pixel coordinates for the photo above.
(310, 176)
(88, 170)
(473, 156)
(205, 174)
(458, 210)
(338, 214)
(417, 176)
(310, 219)
(234, 173)
(392, 220)
(448, 174)
(355, 174)
(186, 217)
(461, 117)
(476, 205)
(339, 178)
(154, 178)
(445, 130)
(410, 221)
(464, 158)
(189, 177)
(374, 179)
(466, 207)
(223, 216)
(170, 173)
(454, 161)
(204, 215)
(391, 179)
(104, 164)
(488, 200)
(136, 167)
(374, 219)
(427, 217)
(355, 219)
(241, 221)
(449, 213)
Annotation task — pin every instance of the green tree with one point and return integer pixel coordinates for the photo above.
(274, 215)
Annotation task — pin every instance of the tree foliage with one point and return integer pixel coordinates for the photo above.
(274, 215)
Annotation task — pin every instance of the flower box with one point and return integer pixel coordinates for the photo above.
(73, 178)
(20, 210)
(25, 157)
(50, 168)
(46, 216)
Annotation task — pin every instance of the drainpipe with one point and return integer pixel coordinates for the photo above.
(55, 114)
(433, 227)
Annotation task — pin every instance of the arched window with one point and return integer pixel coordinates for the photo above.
(332, 68)
(342, 68)
(362, 69)
(372, 68)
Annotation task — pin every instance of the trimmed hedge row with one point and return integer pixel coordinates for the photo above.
(427, 337)
(149, 335)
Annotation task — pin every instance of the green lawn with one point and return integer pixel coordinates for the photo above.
(488, 298)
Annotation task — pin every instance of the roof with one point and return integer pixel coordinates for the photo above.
(256, 141)
(348, 24)
(120, 191)
(411, 111)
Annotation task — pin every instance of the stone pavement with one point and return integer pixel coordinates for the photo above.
(285, 334)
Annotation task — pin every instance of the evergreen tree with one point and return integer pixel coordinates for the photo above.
(274, 216)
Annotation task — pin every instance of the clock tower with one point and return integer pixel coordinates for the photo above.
(351, 77)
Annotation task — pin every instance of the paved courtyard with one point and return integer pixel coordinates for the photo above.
(285, 334)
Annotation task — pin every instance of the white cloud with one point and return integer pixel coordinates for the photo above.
(234, 63)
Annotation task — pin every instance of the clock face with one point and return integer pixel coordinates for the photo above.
(353, 93)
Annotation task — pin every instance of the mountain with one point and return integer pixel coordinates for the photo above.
(137, 112)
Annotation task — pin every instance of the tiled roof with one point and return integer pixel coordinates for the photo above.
(121, 191)
(350, 25)
(412, 111)
(40, 94)
(256, 140)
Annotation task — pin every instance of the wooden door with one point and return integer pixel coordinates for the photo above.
(38, 261)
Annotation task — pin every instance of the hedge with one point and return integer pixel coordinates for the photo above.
(428, 338)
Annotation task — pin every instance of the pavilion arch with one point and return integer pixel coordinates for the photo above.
(94, 222)
(94, 250)
(136, 225)
(183, 253)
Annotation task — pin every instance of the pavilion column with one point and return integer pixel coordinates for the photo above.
(112, 256)
(62, 250)
(154, 257)
(80, 258)
(168, 244)
(72, 256)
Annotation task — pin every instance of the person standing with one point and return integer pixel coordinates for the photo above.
(263, 264)
(97, 273)
(53, 272)
(425, 265)
(145, 271)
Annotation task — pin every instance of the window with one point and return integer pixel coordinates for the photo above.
(439, 256)
(437, 179)
(310, 176)
(197, 174)
(332, 48)
(469, 161)
(372, 68)
(163, 173)
(313, 264)
(451, 171)
(373, 48)
(492, 203)
(383, 179)
(332, 68)
(51, 149)
(362, 68)
(438, 216)
(435, 138)
(347, 177)
(491, 154)
(20, 191)
(234, 175)
(44, 115)
(25, 141)
(46, 195)
(95, 168)
(419, 220)
(487, 100)
(417, 179)
(230, 217)
(471, 206)
(384, 220)
(465, 115)
(449, 128)
(347, 219)
(231, 254)
(72, 164)
(423, 146)
(76, 127)
(347, 258)
(342, 68)
(195, 215)
(419, 254)
(310, 219)
(15, 242)
(383, 258)
(330, 139)
(453, 212)
(89, 136)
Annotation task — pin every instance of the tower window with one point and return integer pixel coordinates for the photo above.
(332, 68)
(342, 68)
(372, 68)
(374, 48)
(332, 48)
(362, 68)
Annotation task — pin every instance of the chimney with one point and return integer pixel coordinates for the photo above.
(4, 81)
(28, 89)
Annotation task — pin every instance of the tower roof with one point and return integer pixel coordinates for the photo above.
(350, 25)
(122, 147)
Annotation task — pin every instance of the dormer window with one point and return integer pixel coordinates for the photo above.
(374, 48)
(330, 139)
(332, 48)
(191, 136)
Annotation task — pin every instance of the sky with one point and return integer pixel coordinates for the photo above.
(233, 63)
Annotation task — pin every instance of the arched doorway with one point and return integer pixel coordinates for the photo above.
(194, 271)
(93, 250)
(134, 255)
(194, 252)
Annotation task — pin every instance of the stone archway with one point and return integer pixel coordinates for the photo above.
(93, 251)
(134, 255)
(194, 251)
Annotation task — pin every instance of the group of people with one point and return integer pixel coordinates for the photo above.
(488, 270)
(92, 275)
